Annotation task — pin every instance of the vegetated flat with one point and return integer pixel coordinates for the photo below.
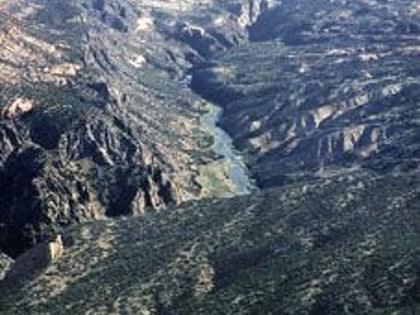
(343, 245)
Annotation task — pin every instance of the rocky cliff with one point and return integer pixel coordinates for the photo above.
(5, 265)
(97, 119)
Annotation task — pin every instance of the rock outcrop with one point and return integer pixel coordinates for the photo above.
(33, 262)
(17, 107)
(6, 264)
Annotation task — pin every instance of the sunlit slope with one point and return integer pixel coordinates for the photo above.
(322, 85)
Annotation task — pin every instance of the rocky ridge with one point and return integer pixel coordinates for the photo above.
(90, 130)
(322, 86)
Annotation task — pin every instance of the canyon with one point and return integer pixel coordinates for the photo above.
(209, 157)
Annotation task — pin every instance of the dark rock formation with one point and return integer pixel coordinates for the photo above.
(109, 130)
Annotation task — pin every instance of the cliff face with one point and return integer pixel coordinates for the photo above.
(5, 265)
(321, 86)
(63, 158)
(96, 118)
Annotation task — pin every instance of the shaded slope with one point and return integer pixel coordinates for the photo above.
(52, 157)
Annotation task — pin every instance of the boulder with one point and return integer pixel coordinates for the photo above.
(35, 260)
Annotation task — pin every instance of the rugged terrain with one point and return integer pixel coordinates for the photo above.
(284, 251)
(97, 118)
(322, 84)
(107, 110)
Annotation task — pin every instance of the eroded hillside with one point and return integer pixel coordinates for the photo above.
(97, 118)
(323, 85)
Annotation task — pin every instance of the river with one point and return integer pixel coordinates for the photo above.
(232, 160)
(228, 175)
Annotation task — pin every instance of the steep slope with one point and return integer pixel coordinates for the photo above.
(5, 265)
(346, 245)
(65, 154)
(325, 84)
(97, 119)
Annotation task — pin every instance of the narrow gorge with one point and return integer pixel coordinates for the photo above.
(207, 157)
